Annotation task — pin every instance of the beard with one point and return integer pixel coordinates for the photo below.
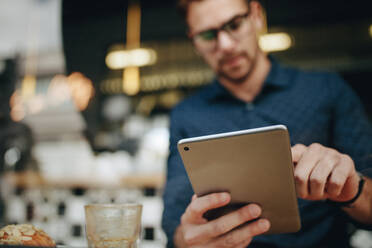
(239, 73)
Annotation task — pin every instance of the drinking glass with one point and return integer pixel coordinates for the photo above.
(113, 225)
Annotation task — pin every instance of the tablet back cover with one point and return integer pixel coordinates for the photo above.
(253, 166)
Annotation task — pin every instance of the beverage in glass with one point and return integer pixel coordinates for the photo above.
(113, 225)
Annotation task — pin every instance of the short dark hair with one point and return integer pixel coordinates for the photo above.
(183, 6)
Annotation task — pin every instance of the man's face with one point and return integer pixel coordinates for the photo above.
(230, 50)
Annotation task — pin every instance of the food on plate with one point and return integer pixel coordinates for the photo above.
(25, 234)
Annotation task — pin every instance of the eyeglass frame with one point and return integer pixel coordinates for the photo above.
(224, 27)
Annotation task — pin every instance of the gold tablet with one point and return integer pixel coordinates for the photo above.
(254, 165)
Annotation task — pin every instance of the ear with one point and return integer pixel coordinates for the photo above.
(258, 17)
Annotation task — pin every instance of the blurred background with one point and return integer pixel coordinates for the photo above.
(86, 88)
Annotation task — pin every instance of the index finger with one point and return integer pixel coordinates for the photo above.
(202, 204)
(297, 151)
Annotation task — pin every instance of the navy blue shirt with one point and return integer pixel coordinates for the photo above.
(315, 106)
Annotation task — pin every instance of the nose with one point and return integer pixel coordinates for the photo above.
(225, 42)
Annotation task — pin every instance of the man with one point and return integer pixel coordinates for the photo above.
(330, 134)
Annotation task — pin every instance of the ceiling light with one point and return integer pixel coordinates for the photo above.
(119, 59)
(131, 81)
(370, 30)
(275, 42)
(28, 86)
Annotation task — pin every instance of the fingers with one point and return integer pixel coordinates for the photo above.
(297, 152)
(337, 179)
(242, 236)
(309, 157)
(222, 225)
(194, 196)
(343, 183)
(230, 221)
(322, 172)
(200, 205)
(192, 220)
(319, 176)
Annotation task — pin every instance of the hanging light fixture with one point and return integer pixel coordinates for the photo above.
(274, 42)
(28, 86)
(131, 57)
(121, 58)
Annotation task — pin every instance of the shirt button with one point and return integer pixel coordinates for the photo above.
(249, 106)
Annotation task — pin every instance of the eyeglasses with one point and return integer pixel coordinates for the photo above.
(207, 40)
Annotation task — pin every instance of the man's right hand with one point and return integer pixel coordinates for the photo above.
(196, 231)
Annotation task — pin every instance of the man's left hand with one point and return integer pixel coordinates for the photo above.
(324, 173)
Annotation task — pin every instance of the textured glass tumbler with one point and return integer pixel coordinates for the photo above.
(113, 225)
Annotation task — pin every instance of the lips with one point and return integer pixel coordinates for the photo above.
(232, 61)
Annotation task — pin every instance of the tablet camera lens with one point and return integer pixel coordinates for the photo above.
(186, 148)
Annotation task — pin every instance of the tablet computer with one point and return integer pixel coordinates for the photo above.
(253, 165)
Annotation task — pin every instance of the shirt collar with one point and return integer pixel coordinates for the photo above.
(278, 77)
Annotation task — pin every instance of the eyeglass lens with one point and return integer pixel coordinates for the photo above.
(231, 26)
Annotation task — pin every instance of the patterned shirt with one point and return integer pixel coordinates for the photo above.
(315, 106)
